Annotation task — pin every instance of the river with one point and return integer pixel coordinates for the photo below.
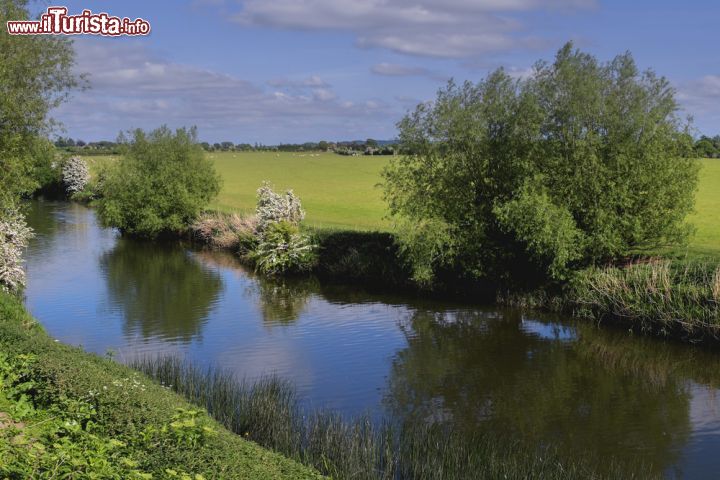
(545, 379)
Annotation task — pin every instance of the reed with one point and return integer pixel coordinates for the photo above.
(674, 298)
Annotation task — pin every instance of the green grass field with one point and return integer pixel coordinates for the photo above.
(336, 191)
(341, 192)
(707, 210)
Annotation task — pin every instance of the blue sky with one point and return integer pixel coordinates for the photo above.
(275, 71)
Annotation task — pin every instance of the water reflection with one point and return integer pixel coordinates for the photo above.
(477, 370)
(161, 289)
(281, 301)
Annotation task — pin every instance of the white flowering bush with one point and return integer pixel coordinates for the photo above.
(14, 236)
(283, 249)
(75, 175)
(273, 207)
(280, 247)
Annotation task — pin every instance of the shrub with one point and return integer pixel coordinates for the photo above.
(14, 236)
(75, 175)
(577, 164)
(160, 185)
(273, 207)
(283, 249)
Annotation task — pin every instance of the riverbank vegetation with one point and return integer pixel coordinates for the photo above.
(65, 413)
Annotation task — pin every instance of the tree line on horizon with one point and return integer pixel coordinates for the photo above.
(346, 147)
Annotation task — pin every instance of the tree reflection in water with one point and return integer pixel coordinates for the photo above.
(476, 370)
(161, 289)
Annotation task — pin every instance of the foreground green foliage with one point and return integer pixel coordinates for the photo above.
(580, 162)
(160, 185)
(268, 412)
(68, 414)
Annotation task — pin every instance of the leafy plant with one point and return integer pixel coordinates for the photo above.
(283, 249)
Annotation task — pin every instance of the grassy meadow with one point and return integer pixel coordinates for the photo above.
(707, 210)
(341, 192)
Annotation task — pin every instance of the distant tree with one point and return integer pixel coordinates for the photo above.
(227, 146)
(371, 143)
(80, 143)
(708, 147)
(217, 146)
(579, 163)
(323, 145)
(206, 146)
(159, 185)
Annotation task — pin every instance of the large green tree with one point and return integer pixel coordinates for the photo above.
(159, 185)
(578, 163)
(36, 75)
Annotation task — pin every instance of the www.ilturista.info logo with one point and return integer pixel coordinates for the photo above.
(56, 21)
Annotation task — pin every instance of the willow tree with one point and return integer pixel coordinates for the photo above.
(579, 163)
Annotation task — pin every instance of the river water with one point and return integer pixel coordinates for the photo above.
(544, 379)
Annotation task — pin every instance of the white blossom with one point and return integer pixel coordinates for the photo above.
(14, 236)
(274, 207)
(75, 174)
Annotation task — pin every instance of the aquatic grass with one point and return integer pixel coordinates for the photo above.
(269, 413)
(661, 295)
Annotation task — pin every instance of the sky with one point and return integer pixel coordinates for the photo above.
(291, 71)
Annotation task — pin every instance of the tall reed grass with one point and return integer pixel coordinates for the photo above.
(670, 297)
(269, 413)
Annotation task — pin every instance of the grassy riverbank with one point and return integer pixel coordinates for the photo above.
(68, 414)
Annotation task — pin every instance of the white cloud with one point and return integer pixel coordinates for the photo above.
(397, 70)
(311, 81)
(132, 87)
(439, 28)
(700, 98)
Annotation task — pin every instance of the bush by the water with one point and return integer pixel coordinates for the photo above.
(273, 207)
(14, 237)
(282, 248)
(75, 175)
(578, 163)
(160, 185)
(278, 245)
